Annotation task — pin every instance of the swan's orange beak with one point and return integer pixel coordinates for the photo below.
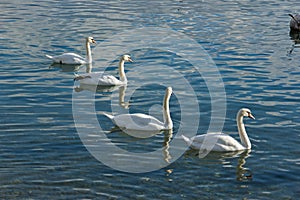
(129, 59)
(251, 116)
(94, 41)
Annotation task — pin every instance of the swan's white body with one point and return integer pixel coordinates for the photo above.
(137, 121)
(222, 142)
(97, 78)
(143, 122)
(73, 58)
(295, 22)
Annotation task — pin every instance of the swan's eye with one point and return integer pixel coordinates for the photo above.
(247, 113)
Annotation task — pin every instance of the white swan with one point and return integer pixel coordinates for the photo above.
(222, 142)
(144, 122)
(73, 58)
(97, 78)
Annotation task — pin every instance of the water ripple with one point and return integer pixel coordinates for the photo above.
(41, 153)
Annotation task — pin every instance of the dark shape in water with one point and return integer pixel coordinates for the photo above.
(295, 36)
(294, 31)
(295, 22)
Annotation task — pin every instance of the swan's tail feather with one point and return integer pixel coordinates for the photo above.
(78, 78)
(50, 57)
(108, 115)
(187, 140)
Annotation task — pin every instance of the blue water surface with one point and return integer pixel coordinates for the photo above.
(41, 152)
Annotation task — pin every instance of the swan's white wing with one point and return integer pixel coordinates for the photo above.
(97, 78)
(138, 121)
(89, 78)
(69, 58)
(109, 80)
(73, 55)
(215, 142)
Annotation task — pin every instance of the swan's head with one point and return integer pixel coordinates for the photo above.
(245, 112)
(127, 58)
(90, 40)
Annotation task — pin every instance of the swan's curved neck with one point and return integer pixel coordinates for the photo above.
(242, 131)
(166, 112)
(89, 68)
(88, 52)
(122, 72)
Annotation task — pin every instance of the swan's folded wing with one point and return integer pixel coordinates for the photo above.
(228, 143)
(78, 60)
(70, 58)
(72, 55)
(89, 78)
(108, 80)
(215, 142)
(138, 121)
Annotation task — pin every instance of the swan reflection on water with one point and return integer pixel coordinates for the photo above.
(99, 89)
(243, 173)
(168, 134)
(142, 134)
(65, 67)
(295, 36)
(224, 158)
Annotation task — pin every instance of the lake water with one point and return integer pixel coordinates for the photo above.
(49, 144)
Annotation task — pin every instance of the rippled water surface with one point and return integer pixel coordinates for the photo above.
(45, 153)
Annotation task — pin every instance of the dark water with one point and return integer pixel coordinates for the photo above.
(43, 156)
